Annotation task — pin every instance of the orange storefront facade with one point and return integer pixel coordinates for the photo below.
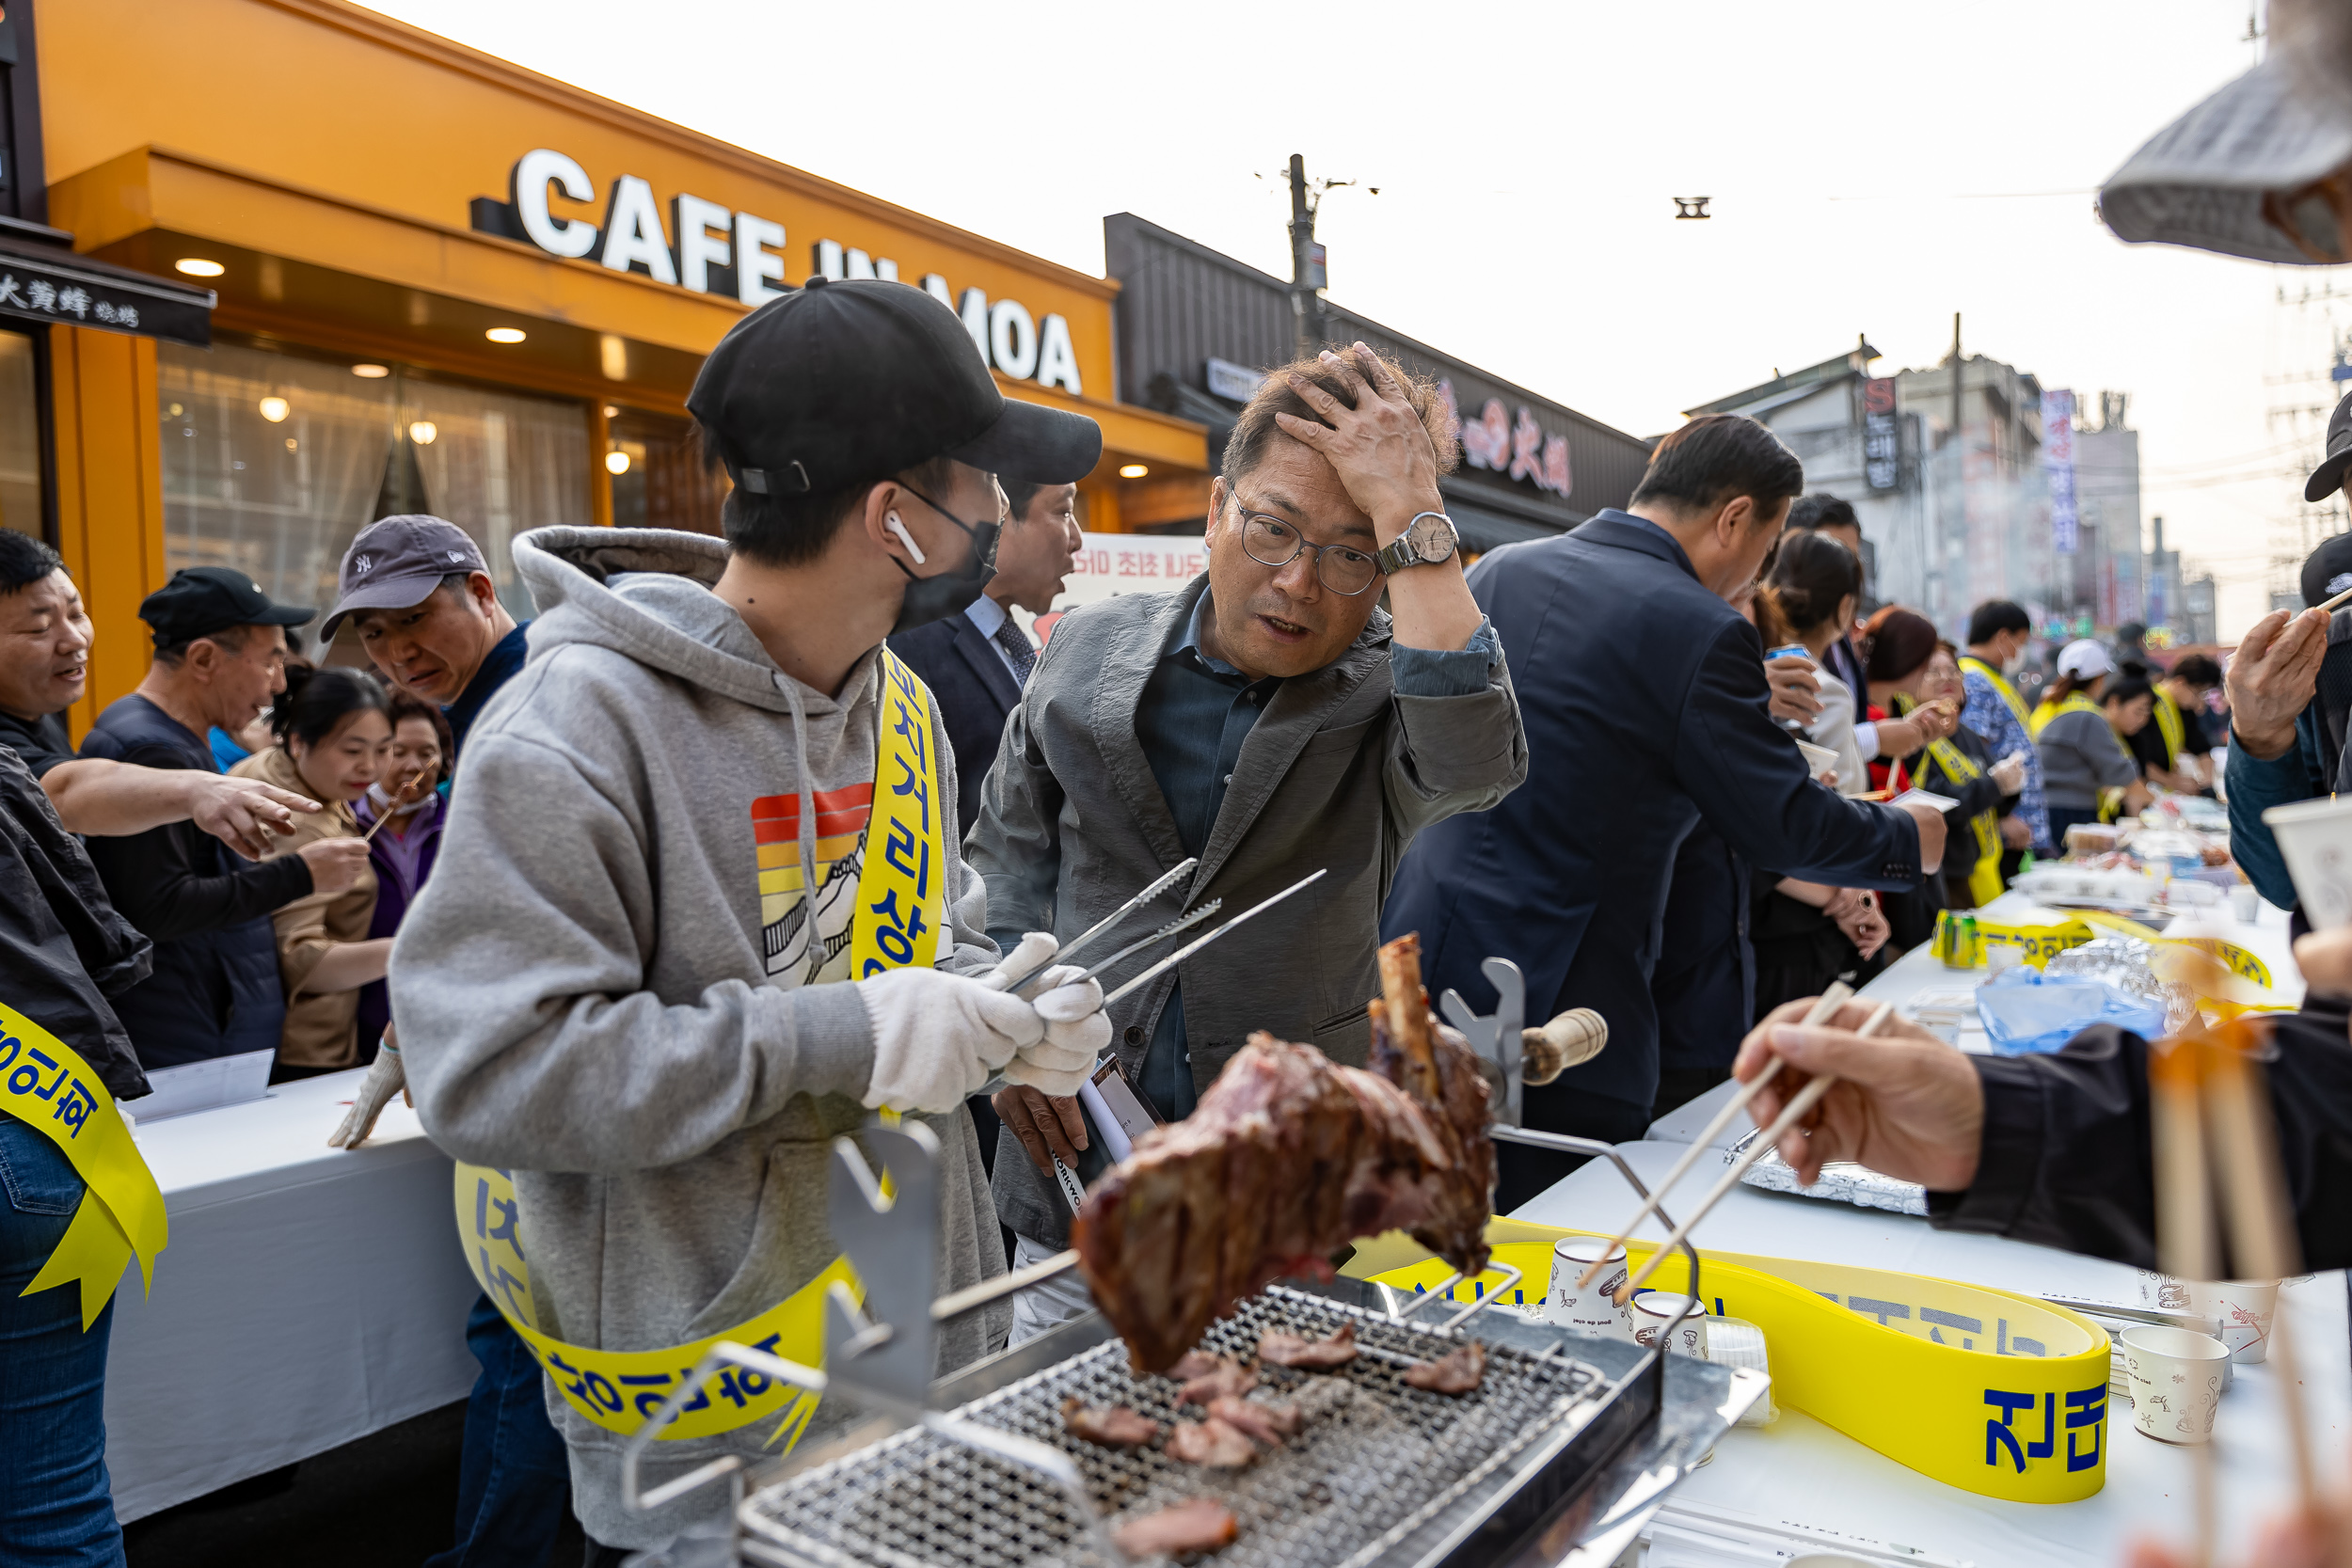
(444, 283)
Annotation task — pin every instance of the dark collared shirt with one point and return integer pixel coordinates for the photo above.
(498, 667)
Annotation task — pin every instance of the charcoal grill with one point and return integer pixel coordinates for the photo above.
(1556, 1460)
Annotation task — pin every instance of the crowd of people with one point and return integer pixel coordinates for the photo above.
(647, 900)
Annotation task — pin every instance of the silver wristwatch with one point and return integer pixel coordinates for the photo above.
(1427, 539)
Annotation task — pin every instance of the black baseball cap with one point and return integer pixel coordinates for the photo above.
(201, 600)
(2328, 570)
(2329, 477)
(836, 384)
(397, 562)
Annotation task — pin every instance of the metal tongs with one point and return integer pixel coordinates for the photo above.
(1061, 955)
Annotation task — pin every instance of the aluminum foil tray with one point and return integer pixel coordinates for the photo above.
(1840, 1183)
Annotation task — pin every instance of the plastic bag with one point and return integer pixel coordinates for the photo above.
(2026, 1014)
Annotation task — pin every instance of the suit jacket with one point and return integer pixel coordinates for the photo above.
(1646, 710)
(1339, 771)
(975, 694)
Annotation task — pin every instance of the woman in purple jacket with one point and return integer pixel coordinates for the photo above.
(411, 791)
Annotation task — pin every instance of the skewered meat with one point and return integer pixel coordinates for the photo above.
(1211, 1442)
(1114, 1426)
(1288, 1158)
(1195, 1525)
(1224, 1377)
(1454, 1372)
(1317, 1355)
(1268, 1421)
(1192, 1364)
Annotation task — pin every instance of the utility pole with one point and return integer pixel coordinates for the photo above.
(1308, 276)
(1956, 504)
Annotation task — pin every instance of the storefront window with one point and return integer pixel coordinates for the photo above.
(19, 436)
(658, 477)
(273, 461)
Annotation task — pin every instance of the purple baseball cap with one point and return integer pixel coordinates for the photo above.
(395, 561)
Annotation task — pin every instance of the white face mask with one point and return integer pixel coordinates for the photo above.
(2014, 665)
(382, 803)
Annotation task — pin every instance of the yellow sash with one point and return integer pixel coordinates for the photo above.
(46, 1085)
(2169, 725)
(1985, 877)
(1998, 682)
(901, 907)
(2074, 702)
(1990, 1391)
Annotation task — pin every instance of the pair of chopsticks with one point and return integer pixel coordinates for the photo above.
(1795, 1111)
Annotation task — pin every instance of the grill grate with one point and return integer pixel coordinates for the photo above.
(1375, 1461)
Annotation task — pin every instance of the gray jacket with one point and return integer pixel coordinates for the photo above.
(610, 988)
(2081, 755)
(1338, 772)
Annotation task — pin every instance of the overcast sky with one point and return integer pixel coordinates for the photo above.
(1874, 167)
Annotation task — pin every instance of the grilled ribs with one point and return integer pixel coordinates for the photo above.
(1288, 1158)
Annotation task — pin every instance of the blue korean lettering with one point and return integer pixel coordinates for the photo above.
(910, 856)
(895, 935)
(589, 1387)
(658, 1384)
(10, 1047)
(2048, 1445)
(914, 732)
(26, 1078)
(75, 1108)
(1997, 1434)
(1881, 1310)
(917, 784)
(2084, 1407)
(503, 1283)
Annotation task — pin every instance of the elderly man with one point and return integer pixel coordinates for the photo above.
(420, 596)
(45, 638)
(1267, 720)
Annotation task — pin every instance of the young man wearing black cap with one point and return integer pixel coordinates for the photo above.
(220, 657)
(701, 907)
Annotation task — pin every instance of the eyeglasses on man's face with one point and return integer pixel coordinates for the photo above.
(1273, 540)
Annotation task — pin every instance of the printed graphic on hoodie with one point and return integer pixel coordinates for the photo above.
(841, 818)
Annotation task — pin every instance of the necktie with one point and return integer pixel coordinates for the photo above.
(1016, 642)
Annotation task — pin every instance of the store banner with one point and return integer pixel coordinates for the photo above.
(37, 286)
(1109, 564)
(2057, 461)
(1881, 446)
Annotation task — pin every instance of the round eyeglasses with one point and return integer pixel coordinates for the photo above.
(1271, 541)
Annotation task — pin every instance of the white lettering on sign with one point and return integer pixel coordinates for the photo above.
(712, 250)
(1113, 564)
(1518, 449)
(1231, 382)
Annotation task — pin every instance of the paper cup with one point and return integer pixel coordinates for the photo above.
(2245, 1308)
(2246, 904)
(1821, 759)
(2314, 838)
(1593, 1309)
(1652, 1311)
(2176, 1382)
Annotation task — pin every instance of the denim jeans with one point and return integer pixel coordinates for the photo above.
(56, 1505)
(513, 1476)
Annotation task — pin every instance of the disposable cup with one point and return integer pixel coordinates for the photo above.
(1818, 758)
(1594, 1308)
(2314, 838)
(2176, 1382)
(2246, 1309)
(1652, 1311)
(2246, 904)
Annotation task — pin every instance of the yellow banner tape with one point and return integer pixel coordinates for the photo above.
(1986, 1391)
(46, 1085)
(901, 907)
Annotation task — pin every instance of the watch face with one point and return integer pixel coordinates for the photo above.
(1432, 538)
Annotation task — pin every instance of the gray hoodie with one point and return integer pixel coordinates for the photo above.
(606, 986)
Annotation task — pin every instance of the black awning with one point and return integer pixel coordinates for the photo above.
(1481, 531)
(50, 283)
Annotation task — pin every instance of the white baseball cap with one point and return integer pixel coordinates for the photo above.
(2085, 660)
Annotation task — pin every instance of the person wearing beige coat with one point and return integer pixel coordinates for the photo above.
(333, 730)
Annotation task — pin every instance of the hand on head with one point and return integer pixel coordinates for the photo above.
(1906, 1104)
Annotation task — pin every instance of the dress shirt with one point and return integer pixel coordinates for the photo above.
(1197, 711)
(986, 616)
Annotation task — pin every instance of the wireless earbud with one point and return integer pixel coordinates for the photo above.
(892, 523)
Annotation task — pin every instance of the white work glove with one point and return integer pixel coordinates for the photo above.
(939, 1036)
(1076, 1033)
(1030, 951)
(385, 1079)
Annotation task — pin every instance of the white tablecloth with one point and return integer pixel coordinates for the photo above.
(1801, 1473)
(308, 1295)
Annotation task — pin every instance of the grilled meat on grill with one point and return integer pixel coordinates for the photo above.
(1268, 1421)
(1114, 1426)
(1210, 1441)
(1195, 1525)
(1454, 1372)
(1288, 1158)
(1223, 1377)
(1317, 1355)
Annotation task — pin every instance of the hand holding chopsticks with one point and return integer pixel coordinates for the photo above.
(1794, 1112)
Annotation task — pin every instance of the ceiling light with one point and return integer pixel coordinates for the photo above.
(423, 431)
(275, 410)
(616, 463)
(1133, 470)
(370, 373)
(506, 334)
(290, 443)
(175, 410)
(198, 266)
(610, 412)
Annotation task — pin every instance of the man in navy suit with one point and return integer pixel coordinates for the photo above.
(1644, 699)
(976, 663)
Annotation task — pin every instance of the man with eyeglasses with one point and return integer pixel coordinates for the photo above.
(1267, 719)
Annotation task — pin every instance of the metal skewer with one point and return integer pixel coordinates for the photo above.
(1061, 955)
(1198, 943)
(1823, 1011)
(2336, 603)
(1804, 1099)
